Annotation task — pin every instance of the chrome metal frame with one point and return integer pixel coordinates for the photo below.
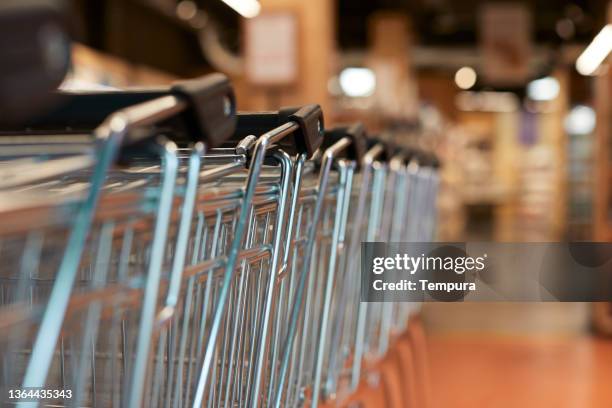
(191, 277)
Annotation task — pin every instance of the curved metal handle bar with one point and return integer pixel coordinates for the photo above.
(113, 131)
(340, 220)
(338, 331)
(328, 159)
(368, 164)
(414, 170)
(297, 184)
(117, 125)
(258, 336)
(282, 270)
(396, 166)
(145, 328)
(397, 162)
(110, 136)
(262, 333)
(429, 180)
(259, 153)
(180, 254)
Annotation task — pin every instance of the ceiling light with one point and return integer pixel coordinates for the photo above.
(580, 120)
(543, 89)
(465, 77)
(246, 8)
(357, 82)
(596, 52)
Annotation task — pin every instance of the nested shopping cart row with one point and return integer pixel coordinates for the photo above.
(160, 249)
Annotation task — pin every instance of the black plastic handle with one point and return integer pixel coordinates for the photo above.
(209, 116)
(211, 111)
(423, 157)
(355, 132)
(389, 150)
(428, 159)
(306, 139)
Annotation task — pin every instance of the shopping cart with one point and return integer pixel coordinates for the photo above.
(160, 249)
(339, 285)
(247, 322)
(411, 202)
(376, 199)
(408, 216)
(88, 243)
(323, 202)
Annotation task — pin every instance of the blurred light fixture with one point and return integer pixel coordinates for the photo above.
(596, 52)
(565, 28)
(246, 8)
(543, 89)
(186, 9)
(465, 77)
(580, 120)
(357, 82)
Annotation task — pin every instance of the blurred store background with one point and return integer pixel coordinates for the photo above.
(514, 96)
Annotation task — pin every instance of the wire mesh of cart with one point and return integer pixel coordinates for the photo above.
(100, 207)
(322, 206)
(363, 223)
(316, 299)
(142, 267)
(47, 211)
(240, 358)
(417, 183)
(374, 204)
(404, 211)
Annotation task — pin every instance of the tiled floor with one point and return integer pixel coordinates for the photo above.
(506, 371)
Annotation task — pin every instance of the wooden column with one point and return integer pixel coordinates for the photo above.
(602, 220)
(316, 56)
(390, 37)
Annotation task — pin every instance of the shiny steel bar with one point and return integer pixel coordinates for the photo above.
(169, 166)
(367, 170)
(110, 135)
(263, 331)
(344, 186)
(326, 166)
(255, 167)
(393, 200)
